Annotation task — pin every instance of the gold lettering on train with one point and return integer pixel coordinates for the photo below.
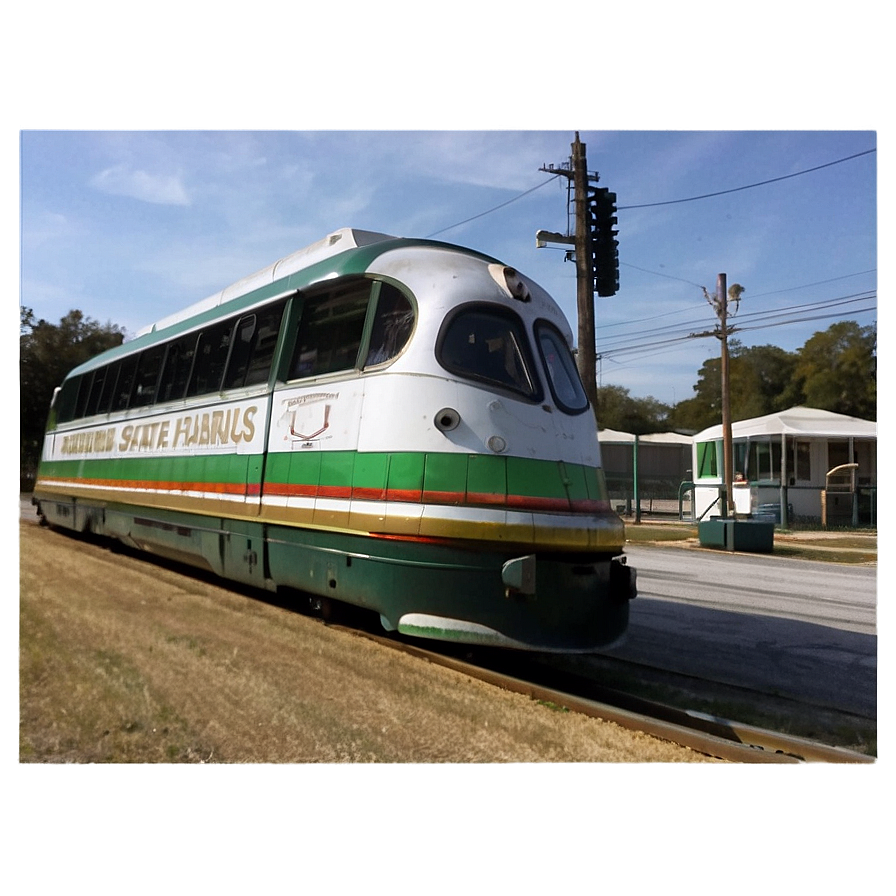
(228, 427)
(99, 441)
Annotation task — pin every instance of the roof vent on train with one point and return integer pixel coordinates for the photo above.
(510, 282)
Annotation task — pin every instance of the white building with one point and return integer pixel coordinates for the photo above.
(783, 465)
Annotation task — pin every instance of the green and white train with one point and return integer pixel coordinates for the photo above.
(392, 423)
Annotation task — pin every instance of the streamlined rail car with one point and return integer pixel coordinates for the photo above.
(392, 423)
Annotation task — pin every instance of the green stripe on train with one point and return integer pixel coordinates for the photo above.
(408, 473)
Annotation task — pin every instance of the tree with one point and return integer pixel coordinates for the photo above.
(759, 380)
(836, 370)
(47, 352)
(616, 409)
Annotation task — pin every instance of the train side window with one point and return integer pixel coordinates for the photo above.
(83, 395)
(178, 364)
(392, 325)
(253, 348)
(147, 376)
(68, 400)
(96, 391)
(490, 345)
(211, 358)
(330, 331)
(108, 393)
(563, 376)
(125, 382)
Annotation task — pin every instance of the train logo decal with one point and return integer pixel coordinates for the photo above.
(308, 415)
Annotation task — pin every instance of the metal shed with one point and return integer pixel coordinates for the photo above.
(645, 469)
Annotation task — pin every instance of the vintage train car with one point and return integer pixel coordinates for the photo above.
(392, 423)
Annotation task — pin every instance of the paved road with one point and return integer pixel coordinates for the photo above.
(793, 627)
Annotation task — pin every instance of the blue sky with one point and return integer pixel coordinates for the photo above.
(152, 172)
(129, 226)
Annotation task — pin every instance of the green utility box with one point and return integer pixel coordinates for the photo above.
(741, 534)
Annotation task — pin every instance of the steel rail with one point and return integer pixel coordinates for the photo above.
(703, 733)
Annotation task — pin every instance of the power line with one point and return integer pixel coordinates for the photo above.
(761, 183)
(660, 274)
(816, 283)
(502, 205)
(655, 204)
(650, 348)
(753, 315)
(752, 298)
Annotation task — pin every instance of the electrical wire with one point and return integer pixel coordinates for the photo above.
(649, 348)
(684, 327)
(502, 205)
(761, 183)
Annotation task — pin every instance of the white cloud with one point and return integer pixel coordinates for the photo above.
(42, 227)
(122, 180)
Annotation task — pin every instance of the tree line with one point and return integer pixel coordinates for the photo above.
(47, 352)
(836, 370)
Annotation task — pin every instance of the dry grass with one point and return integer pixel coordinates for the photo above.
(831, 547)
(123, 660)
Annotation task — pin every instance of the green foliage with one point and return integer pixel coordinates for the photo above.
(47, 352)
(835, 371)
(616, 409)
(761, 383)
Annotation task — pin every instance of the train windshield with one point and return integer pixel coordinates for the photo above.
(563, 377)
(489, 344)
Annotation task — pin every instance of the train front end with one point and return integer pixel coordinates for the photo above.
(496, 506)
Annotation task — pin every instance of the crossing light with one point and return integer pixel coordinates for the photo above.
(604, 245)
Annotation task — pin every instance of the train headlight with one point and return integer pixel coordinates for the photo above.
(446, 420)
(510, 282)
(497, 444)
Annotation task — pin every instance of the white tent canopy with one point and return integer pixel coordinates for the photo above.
(799, 421)
(614, 437)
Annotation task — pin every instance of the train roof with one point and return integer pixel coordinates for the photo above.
(343, 252)
(334, 244)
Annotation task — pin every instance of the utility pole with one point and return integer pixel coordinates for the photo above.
(722, 332)
(727, 447)
(586, 359)
(596, 262)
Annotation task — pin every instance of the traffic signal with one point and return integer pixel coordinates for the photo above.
(604, 245)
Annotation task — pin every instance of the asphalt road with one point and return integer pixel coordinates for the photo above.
(796, 628)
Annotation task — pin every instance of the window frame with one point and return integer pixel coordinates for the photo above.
(708, 451)
(524, 346)
(361, 364)
(568, 364)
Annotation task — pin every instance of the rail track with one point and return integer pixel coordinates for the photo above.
(713, 736)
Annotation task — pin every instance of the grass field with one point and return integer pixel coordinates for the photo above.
(122, 660)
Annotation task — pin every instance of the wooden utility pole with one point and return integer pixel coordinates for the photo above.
(586, 353)
(727, 445)
(586, 359)
(719, 303)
